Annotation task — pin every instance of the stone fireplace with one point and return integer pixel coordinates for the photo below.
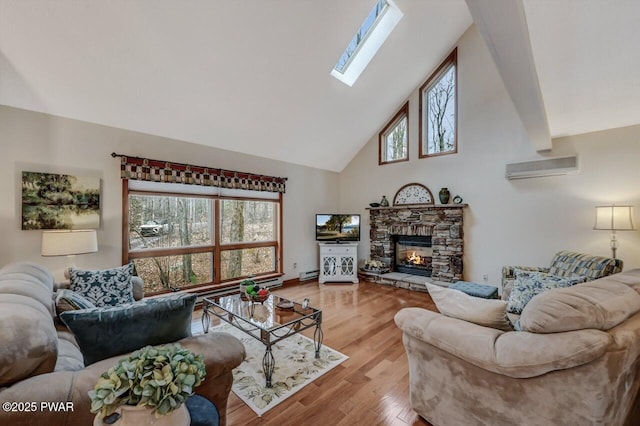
(414, 225)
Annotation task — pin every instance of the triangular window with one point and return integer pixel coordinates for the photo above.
(394, 138)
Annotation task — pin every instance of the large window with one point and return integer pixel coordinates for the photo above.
(394, 138)
(179, 240)
(438, 110)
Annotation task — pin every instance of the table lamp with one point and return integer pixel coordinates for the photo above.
(614, 218)
(69, 243)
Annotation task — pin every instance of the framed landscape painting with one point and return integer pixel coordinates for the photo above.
(54, 201)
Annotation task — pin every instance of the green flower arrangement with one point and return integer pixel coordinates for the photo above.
(244, 284)
(158, 377)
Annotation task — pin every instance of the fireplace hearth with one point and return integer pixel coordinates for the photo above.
(413, 254)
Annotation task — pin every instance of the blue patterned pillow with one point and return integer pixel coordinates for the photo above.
(107, 287)
(67, 300)
(529, 284)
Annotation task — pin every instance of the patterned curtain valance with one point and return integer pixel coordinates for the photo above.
(137, 168)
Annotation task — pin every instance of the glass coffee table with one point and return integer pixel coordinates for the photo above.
(265, 321)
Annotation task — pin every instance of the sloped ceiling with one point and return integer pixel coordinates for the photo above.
(253, 76)
(587, 53)
(249, 76)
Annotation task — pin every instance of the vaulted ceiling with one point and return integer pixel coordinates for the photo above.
(253, 76)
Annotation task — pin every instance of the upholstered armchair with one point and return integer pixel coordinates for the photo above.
(566, 264)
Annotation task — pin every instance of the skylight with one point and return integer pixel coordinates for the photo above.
(375, 29)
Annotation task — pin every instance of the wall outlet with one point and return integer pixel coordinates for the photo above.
(485, 277)
(295, 265)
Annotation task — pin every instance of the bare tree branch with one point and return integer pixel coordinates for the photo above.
(439, 96)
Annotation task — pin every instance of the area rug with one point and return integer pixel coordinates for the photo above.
(296, 367)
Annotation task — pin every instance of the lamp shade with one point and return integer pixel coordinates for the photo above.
(614, 218)
(69, 243)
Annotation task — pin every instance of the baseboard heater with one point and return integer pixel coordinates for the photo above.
(219, 292)
(544, 167)
(270, 283)
(309, 275)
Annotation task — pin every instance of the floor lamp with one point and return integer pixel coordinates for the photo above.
(614, 218)
(70, 244)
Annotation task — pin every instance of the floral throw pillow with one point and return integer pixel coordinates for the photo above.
(529, 284)
(107, 287)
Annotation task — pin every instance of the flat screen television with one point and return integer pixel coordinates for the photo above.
(337, 227)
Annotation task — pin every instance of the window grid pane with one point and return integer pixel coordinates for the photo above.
(245, 262)
(161, 221)
(174, 272)
(247, 221)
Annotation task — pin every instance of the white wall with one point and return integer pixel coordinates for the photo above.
(39, 142)
(507, 222)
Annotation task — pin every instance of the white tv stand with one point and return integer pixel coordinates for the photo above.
(338, 262)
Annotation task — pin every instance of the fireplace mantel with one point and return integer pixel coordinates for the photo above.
(443, 222)
(420, 207)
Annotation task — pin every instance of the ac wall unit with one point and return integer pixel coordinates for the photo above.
(309, 275)
(545, 167)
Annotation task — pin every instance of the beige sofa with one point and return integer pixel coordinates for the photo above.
(578, 363)
(42, 363)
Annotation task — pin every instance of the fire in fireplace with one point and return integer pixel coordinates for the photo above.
(413, 254)
(415, 259)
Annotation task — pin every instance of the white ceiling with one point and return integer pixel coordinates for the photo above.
(587, 53)
(253, 76)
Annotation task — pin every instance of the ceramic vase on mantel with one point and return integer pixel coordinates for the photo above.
(444, 195)
(131, 415)
(384, 202)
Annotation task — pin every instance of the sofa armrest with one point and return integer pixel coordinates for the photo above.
(626, 336)
(138, 287)
(45, 388)
(515, 353)
(222, 352)
(508, 276)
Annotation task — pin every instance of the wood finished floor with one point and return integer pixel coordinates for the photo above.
(372, 386)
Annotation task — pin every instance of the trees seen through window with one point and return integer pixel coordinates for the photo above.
(174, 243)
(438, 110)
(394, 138)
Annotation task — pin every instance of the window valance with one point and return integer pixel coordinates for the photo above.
(137, 168)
